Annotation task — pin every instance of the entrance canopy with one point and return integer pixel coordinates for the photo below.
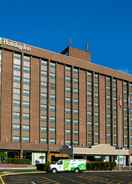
(100, 149)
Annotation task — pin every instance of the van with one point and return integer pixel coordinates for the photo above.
(75, 165)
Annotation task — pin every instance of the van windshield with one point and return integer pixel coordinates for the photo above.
(59, 162)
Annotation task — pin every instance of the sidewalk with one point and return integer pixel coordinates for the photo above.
(10, 167)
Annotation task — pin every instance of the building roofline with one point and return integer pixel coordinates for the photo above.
(81, 63)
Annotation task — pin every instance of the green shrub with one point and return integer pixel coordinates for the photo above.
(18, 161)
(3, 156)
(101, 165)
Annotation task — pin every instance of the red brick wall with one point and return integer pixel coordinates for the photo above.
(102, 109)
(119, 113)
(34, 100)
(82, 108)
(60, 104)
(6, 114)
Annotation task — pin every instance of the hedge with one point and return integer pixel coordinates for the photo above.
(101, 165)
(18, 161)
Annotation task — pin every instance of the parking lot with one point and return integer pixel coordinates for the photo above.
(71, 178)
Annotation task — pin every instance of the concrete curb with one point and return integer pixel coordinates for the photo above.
(17, 168)
(109, 171)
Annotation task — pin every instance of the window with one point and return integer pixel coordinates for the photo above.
(25, 98)
(25, 116)
(52, 102)
(68, 99)
(52, 141)
(96, 107)
(16, 97)
(25, 139)
(89, 108)
(125, 114)
(130, 113)
(25, 127)
(114, 112)
(16, 127)
(15, 139)
(75, 107)
(108, 110)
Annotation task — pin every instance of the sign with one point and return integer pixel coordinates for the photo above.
(18, 45)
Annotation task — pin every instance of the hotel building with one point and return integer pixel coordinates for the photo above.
(50, 101)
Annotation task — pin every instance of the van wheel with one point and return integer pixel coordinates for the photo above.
(54, 170)
(76, 170)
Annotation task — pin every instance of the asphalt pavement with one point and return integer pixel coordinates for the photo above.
(71, 178)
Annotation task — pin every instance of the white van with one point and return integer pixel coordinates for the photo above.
(75, 165)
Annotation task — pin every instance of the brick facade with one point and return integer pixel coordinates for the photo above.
(76, 59)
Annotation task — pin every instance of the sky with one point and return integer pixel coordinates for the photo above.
(105, 24)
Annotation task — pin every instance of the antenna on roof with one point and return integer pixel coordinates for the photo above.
(87, 46)
(69, 42)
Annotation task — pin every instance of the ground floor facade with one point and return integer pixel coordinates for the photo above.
(101, 152)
